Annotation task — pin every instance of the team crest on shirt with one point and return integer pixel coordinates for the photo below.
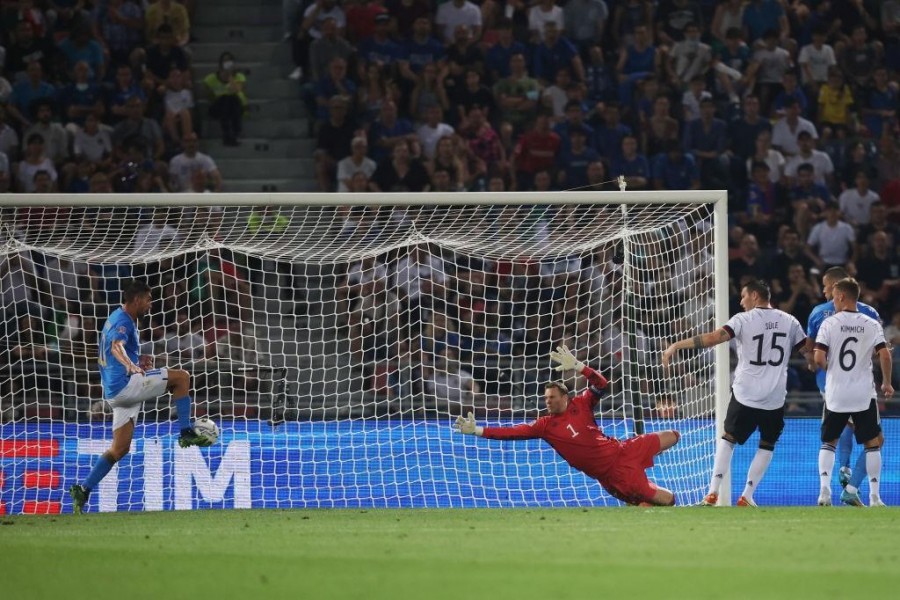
(121, 329)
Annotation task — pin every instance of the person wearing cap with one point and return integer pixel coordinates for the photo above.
(362, 19)
(379, 47)
(357, 162)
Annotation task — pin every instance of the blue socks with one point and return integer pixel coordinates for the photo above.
(859, 471)
(101, 468)
(183, 405)
(845, 447)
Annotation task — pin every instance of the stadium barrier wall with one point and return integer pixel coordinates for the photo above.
(356, 464)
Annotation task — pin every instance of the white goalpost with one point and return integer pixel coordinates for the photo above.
(334, 338)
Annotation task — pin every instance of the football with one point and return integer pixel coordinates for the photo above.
(207, 429)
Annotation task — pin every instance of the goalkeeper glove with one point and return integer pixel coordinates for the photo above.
(565, 360)
(467, 425)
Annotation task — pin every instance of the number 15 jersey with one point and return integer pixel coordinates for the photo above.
(766, 338)
(849, 338)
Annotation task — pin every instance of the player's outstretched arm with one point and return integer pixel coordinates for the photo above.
(467, 425)
(566, 361)
(705, 340)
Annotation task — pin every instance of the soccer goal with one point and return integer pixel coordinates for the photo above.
(334, 339)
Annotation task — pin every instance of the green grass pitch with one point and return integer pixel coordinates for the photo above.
(431, 554)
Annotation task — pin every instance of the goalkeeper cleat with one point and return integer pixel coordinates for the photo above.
(844, 476)
(711, 499)
(189, 438)
(744, 501)
(825, 498)
(80, 496)
(875, 501)
(851, 499)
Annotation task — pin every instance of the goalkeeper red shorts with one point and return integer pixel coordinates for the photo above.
(627, 480)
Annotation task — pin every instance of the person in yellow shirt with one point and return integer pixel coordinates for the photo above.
(835, 100)
(228, 101)
(173, 13)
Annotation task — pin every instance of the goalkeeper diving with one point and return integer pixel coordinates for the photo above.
(571, 430)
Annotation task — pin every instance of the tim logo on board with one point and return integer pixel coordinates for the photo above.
(173, 477)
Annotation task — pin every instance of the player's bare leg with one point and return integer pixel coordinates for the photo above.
(662, 497)
(667, 439)
(121, 445)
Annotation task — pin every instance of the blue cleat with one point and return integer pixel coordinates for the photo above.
(844, 476)
(851, 499)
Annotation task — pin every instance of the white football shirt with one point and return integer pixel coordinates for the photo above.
(849, 338)
(765, 338)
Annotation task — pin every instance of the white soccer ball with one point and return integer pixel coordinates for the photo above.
(207, 429)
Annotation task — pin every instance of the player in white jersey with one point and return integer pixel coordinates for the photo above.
(844, 347)
(766, 337)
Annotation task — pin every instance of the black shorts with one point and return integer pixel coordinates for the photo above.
(867, 424)
(741, 421)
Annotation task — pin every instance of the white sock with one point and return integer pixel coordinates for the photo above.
(724, 450)
(873, 470)
(757, 470)
(826, 465)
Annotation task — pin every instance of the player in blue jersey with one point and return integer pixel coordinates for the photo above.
(850, 479)
(128, 380)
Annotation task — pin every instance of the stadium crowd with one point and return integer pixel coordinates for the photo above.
(789, 105)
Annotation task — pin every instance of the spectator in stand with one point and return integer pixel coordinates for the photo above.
(362, 18)
(357, 162)
(497, 60)
(585, 22)
(447, 159)
(858, 159)
(432, 130)
(55, 136)
(163, 57)
(692, 97)
(786, 131)
(28, 91)
(672, 19)
(799, 295)
(573, 160)
(575, 119)
(536, 151)
(832, 240)
(808, 199)
(661, 129)
(610, 133)
(81, 97)
(380, 48)
(790, 252)
(774, 62)
(729, 15)
(462, 55)
(599, 82)
(137, 125)
(401, 173)
(815, 60)
(484, 144)
(454, 13)
(119, 28)
(93, 143)
(890, 24)
(744, 132)
(835, 100)
(472, 95)
(879, 107)
(225, 90)
(335, 136)
(762, 17)
(553, 53)
(746, 264)
(178, 102)
(878, 223)
(123, 89)
(389, 130)
(428, 92)
(823, 169)
(404, 14)
(689, 58)
(190, 160)
(422, 49)
(33, 161)
(80, 46)
(374, 90)
(765, 204)
(878, 272)
(543, 12)
(335, 83)
(856, 202)
(675, 170)
(766, 154)
(705, 139)
(330, 46)
(9, 139)
(28, 47)
(170, 13)
(632, 165)
(790, 91)
(637, 61)
(859, 58)
(517, 95)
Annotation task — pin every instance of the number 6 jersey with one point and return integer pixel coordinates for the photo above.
(849, 338)
(766, 338)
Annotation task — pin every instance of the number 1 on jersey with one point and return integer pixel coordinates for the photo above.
(572, 429)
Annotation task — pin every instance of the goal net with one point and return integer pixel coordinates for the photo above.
(335, 339)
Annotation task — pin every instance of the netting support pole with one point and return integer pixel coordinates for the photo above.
(632, 385)
(722, 357)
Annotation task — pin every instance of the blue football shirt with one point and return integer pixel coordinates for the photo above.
(119, 327)
(818, 316)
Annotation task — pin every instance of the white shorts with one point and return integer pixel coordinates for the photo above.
(127, 403)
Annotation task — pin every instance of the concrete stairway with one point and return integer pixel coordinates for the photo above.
(275, 152)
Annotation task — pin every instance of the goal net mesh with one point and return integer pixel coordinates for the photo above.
(335, 346)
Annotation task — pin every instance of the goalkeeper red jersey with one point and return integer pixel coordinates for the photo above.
(574, 434)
